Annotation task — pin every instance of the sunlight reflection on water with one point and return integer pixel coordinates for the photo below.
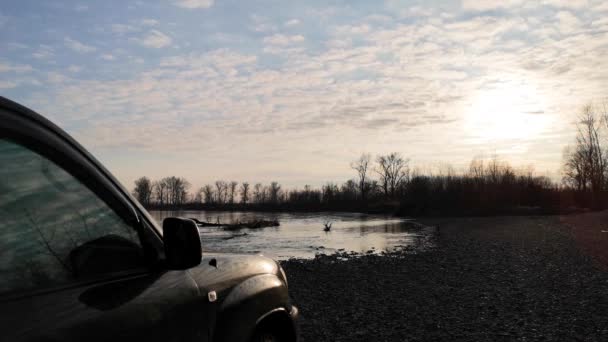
(301, 235)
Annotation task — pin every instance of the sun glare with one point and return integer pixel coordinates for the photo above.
(510, 110)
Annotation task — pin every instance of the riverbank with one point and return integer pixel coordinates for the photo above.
(487, 279)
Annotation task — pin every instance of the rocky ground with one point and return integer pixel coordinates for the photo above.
(487, 279)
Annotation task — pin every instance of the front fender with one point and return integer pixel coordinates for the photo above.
(249, 302)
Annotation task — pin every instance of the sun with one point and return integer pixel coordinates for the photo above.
(506, 111)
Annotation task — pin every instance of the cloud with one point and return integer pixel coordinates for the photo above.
(78, 46)
(493, 5)
(291, 22)
(123, 28)
(262, 24)
(487, 5)
(55, 78)
(573, 4)
(16, 46)
(149, 22)
(283, 40)
(44, 52)
(108, 57)
(352, 29)
(74, 68)
(343, 88)
(194, 3)
(17, 68)
(133, 26)
(568, 23)
(156, 39)
(7, 84)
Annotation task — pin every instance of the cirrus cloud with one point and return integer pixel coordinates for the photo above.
(192, 4)
(156, 39)
(78, 46)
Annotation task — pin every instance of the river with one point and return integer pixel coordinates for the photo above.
(301, 235)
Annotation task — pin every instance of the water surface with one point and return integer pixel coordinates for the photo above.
(301, 235)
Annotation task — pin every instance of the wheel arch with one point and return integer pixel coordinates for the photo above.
(262, 299)
(277, 320)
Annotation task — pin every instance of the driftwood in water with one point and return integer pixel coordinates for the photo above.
(254, 224)
(235, 236)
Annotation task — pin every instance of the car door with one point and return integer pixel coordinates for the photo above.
(77, 262)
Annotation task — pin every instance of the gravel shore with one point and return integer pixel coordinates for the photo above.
(487, 279)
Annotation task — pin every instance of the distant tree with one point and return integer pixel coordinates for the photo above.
(244, 192)
(143, 190)
(274, 192)
(208, 194)
(232, 191)
(160, 192)
(221, 189)
(177, 189)
(589, 138)
(361, 165)
(349, 190)
(330, 192)
(393, 170)
(494, 169)
(476, 168)
(585, 164)
(258, 193)
(574, 172)
(198, 196)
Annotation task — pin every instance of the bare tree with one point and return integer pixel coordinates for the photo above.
(393, 170)
(274, 192)
(258, 193)
(349, 190)
(232, 191)
(208, 194)
(160, 192)
(493, 169)
(476, 168)
(361, 165)
(585, 164)
(244, 192)
(198, 197)
(143, 190)
(589, 138)
(574, 172)
(220, 191)
(329, 192)
(176, 190)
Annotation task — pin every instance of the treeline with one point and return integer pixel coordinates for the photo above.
(384, 184)
(388, 183)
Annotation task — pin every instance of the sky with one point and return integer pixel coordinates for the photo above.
(292, 92)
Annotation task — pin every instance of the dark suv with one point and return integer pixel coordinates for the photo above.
(81, 260)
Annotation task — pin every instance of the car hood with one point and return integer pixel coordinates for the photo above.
(221, 272)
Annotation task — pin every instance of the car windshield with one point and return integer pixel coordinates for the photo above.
(421, 170)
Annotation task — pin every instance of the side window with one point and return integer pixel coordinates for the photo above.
(53, 229)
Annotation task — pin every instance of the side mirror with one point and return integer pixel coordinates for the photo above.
(182, 243)
(107, 254)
